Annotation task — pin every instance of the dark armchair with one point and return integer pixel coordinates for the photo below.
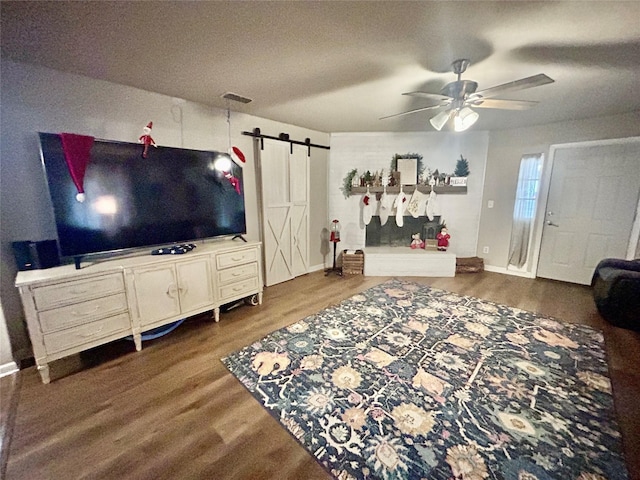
(616, 291)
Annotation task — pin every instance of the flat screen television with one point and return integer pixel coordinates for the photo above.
(172, 196)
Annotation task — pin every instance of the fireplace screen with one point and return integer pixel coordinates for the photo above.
(390, 234)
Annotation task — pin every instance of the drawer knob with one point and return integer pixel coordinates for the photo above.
(92, 334)
(172, 289)
(84, 314)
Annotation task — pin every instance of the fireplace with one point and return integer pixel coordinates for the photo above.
(391, 235)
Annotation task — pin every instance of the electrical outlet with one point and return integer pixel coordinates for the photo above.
(485, 250)
(490, 204)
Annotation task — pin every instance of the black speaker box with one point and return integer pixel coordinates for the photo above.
(36, 255)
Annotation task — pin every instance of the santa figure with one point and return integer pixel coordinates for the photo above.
(146, 139)
(443, 239)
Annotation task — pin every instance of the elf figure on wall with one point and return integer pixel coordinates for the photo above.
(443, 239)
(146, 139)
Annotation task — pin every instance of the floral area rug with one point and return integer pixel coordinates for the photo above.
(404, 381)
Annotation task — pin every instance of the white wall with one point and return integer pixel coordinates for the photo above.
(374, 151)
(35, 99)
(506, 148)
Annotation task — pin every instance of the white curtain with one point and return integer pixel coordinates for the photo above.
(524, 211)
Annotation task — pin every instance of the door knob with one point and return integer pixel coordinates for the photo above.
(551, 224)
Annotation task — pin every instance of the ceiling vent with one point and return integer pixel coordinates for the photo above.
(236, 98)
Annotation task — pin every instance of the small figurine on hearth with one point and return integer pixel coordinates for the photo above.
(416, 242)
(443, 239)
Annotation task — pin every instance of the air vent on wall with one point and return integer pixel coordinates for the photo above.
(236, 98)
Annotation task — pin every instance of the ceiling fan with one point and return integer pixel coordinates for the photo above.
(459, 96)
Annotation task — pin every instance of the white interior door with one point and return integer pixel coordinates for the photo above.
(593, 197)
(285, 210)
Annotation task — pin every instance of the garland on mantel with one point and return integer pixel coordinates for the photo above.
(347, 183)
(425, 174)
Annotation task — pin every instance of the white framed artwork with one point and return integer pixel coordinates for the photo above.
(408, 169)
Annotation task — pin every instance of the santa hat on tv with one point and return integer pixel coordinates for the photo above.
(150, 125)
(77, 152)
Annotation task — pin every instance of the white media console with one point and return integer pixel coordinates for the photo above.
(70, 310)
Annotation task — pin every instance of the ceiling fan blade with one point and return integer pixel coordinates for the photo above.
(432, 96)
(528, 82)
(422, 109)
(502, 104)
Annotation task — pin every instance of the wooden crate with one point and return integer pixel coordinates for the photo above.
(352, 263)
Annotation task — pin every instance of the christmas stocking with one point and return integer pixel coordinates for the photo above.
(431, 205)
(400, 204)
(386, 204)
(367, 209)
(416, 203)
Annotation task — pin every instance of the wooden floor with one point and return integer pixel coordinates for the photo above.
(173, 410)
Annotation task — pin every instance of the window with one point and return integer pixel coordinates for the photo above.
(524, 211)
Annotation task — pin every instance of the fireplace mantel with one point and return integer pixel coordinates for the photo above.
(410, 188)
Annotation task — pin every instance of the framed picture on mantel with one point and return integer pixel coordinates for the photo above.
(408, 169)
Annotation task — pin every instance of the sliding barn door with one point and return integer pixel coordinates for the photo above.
(299, 188)
(285, 210)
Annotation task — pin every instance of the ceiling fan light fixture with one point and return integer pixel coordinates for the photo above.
(440, 120)
(464, 119)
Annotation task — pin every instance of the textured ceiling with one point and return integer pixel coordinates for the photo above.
(340, 66)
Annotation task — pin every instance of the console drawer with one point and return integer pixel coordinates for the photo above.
(231, 275)
(81, 313)
(76, 291)
(239, 289)
(231, 259)
(90, 332)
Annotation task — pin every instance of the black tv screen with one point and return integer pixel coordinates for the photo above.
(173, 196)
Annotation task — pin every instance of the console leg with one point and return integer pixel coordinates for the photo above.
(216, 314)
(260, 298)
(137, 339)
(43, 369)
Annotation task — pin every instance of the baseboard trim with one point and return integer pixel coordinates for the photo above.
(317, 268)
(8, 369)
(503, 270)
